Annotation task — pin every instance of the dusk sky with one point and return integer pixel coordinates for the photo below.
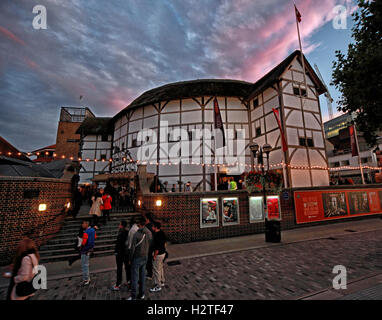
(112, 51)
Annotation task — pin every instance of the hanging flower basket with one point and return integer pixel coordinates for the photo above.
(255, 180)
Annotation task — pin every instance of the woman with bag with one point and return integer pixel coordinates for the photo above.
(95, 210)
(27, 257)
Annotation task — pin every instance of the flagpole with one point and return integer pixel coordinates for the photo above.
(302, 55)
(359, 154)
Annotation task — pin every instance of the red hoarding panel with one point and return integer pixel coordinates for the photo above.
(273, 208)
(314, 206)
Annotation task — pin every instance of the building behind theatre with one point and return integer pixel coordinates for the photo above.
(337, 133)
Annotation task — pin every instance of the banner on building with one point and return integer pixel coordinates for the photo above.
(283, 140)
(353, 141)
(313, 206)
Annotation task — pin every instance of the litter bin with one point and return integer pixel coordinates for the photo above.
(272, 231)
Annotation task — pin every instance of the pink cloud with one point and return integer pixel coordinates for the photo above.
(276, 37)
(11, 36)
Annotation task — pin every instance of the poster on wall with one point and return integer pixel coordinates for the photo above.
(273, 208)
(334, 204)
(256, 209)
(358, 202)
(209, 213)
(230, 211)
(311, 206)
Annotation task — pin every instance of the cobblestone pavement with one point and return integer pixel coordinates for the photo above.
(279, 272)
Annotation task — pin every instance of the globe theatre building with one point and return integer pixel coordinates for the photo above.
(171, 129)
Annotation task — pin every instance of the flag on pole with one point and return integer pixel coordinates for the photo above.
(298, 14)
(353, 142)
(283, 140)
(218, 120)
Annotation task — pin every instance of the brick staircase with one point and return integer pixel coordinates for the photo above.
(61, 247)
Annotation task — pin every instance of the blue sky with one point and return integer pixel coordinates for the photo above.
(112, 51)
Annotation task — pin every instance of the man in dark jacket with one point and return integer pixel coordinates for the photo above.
(149, 265)
(120, 255)
(138, 254)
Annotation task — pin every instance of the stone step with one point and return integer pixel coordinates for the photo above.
(73, 235)
(70, 245)
(65, 257)
(73, 238)
(71, 250)
(112, 225)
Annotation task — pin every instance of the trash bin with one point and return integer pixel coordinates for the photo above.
(272, 231)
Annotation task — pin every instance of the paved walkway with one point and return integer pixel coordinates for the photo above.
(246, 267)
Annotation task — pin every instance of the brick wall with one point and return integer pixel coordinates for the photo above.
(19, 216)
(65, 131)
(180, 214)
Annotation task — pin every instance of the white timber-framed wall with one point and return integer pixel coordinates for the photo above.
(188, 114)
(302, 119)
(95, 146)
(252, 113)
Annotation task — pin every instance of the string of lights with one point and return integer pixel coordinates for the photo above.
(251, 167)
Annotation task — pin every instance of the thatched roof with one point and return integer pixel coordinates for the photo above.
(95, 126)
(219, 87)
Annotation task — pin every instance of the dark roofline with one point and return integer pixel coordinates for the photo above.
(214, 84)
(89, 126)
(252, 90)
(274, 75)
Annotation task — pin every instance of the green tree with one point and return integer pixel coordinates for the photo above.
(358, 76)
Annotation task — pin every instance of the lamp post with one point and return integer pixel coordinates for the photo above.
(272, 227)
(266, 148)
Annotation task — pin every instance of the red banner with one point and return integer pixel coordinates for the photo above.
(312, 206)
(353, 142)
(277, 116)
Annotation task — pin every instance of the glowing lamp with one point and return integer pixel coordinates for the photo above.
(42, 207)
(158, 203)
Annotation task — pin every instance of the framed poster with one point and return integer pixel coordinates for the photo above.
(230, 211)
(334, 204)
(358, 202)
(273, 205)
(209, 216)
(256, 209)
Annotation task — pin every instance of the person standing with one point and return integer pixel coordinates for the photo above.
(138, 258)
(187, 187)
(120, 254)
(77, 202)
(77, 247)
(87, 246)
(149, 225)
(95, 210)
(133, 229)
(106, 207)
(27, 257)
(159, 249)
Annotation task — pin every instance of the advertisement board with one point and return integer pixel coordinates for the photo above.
(230, 211)
(273, 205)
(312, 206)
(209, 213)
(256, 209)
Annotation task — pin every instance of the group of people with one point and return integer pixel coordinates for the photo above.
(229, 183)
(101, 205)
(140, 248)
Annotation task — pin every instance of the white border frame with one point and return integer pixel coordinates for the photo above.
(216, 213)
(238, 212)
(249, 209)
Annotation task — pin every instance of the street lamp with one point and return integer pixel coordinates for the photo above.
(266, 148)
(272, 228)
